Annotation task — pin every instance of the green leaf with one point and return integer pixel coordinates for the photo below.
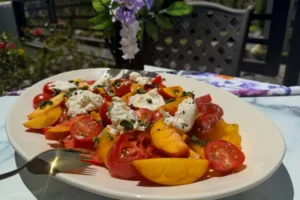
(141, 32)
(115, 5)
(100, 5)
(157, 4)
(103, 21)
(164, 22)
(179, 9)
(99, 18)
(152, 30)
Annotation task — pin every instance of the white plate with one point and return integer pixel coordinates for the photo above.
(262, 143)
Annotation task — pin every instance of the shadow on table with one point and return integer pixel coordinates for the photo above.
(43, 187)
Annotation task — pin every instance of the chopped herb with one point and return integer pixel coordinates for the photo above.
(116, 83)
(72, 89)
(183, 112)
(110, 107)
(141, 123)
(175, 91)
(108, 136)
(99, 121)
(96, 141)
(133, 121)
(85, 87)
(155, 85)
(196, 140)
(149, 101)
(71, 81)
(76, 83)
(56, 91)
(45, 103)
(191, 94)
(99, 86)
(164, 79)
(112, 94)
(169, 100)
(150, 124)
(140, 91)
(128, 126)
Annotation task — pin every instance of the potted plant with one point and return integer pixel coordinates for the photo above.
(128, 23)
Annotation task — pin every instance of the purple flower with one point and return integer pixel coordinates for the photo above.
(135, 5)
(149, 3)
(125, 16)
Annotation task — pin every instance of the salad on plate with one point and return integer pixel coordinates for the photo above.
(139, 128)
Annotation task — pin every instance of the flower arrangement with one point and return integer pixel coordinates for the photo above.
(136, 17)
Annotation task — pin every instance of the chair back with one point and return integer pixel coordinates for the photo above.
(211, 39)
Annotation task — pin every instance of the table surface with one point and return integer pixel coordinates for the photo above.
(284, 111)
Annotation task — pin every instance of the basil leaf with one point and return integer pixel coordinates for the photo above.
(128, 126)
(164, 22)
(45, 103)
(196, 140)
(179, 9)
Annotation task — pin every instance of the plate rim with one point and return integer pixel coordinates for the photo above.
(125, 195)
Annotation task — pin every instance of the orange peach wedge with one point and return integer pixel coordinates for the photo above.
(58, 99)
(172, 171)
(47, 119)
(168, 140)
(106, 141)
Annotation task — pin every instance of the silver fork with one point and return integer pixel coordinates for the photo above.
(55, 161)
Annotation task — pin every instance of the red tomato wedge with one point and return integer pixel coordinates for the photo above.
(70, 143)
(204, 99)
(85, 129)
(40, 98)
(127, 148)
(209, 114)
(223, 156)
(103, 113)
(47, 89)
(122, 87)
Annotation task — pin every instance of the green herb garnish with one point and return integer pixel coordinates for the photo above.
(196, 140)
(140, 91)
(128, 126)
(169, 100)
(191, 94)
(45, 103)
(175, 91)
(149, 101)
(56, 91)
(116, 83)
(85, 87)
(96, 141)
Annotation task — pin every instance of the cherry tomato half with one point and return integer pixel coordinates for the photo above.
(91, 82)
(157, 80)
(143, 115)
(127, 148)
(122, 87)
(40, 98)
(156, 115)
(223, 156)
(85, 129)
(47, 89)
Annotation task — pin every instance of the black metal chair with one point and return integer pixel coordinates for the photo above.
(211, 39)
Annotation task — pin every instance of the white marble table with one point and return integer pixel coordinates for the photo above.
(284, 184)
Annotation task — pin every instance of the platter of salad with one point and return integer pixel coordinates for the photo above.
(156, 136)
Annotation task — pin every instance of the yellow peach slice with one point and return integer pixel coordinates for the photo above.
(172, 171)
(47, 119)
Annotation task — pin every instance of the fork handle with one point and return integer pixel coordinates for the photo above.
(11, 173)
